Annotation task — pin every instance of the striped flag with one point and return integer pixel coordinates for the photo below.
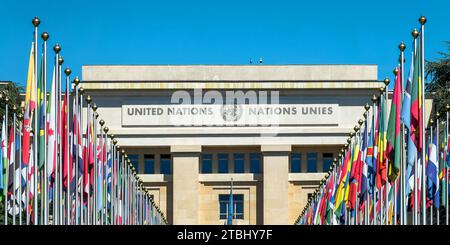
(393, 150)
(30, 104)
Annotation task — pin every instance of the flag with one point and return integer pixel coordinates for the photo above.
(365, 166)
(51, 130)
(30, 104)
(381, 148)
(393, 150)
(416, 127)
(355, 176)
(343, 182)
(41, 115)
(3, 161)
(432, 169)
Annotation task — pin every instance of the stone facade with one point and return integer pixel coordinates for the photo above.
(272, 195)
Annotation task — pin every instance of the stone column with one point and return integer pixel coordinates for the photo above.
(275, 184)
(185, 184)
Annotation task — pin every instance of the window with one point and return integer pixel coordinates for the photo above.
(149, 164)
(165, 164)
(223, 163)
(134, 158)
(238, 206)
(239, 163)
(296, 162)
(327, 161)
(312, 162)
(255, 163)
(206, 164)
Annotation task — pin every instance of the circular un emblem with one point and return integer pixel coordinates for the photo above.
(231, 113)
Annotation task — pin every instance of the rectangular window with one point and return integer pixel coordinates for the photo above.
(149, 164)
(238, 206)
(255, 163)
(223, 163)
(296, 162)
(312, 162)
(327, 161)
(239, 163)
(134, 158)
(206, 164)
(165, 163)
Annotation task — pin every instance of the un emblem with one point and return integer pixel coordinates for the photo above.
(231, 113)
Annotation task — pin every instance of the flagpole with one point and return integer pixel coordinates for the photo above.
(45, 36)
(76, 133)
(67, 71)
(80, 129)
(431, 141)
(35, 23)
(438, 165)
(403, 208)
(422, 21)
(96, 152)
(20, 173)
(447, 168)
(5, 190)
(14, 193)
(374, 191)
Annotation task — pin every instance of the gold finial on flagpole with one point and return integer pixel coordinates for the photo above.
(402, 46)
(94, 107)
(57, 48)
(45, 36)
(386, 81)
(36, 21)
(88, 99)
(102, 122)
(422, 20)
(81, 89)
(60, 60)
(367, 106)
(67, 71)
(360, 122)
(374, 98)
(395, 71)
(415, 33)
(76, 81)
(106, 129)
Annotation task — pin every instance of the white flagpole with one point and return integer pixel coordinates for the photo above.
(80, 124)
(67, 71)
(422, 21)
(5, 190)
(88, 119)
(76, 133)
(44, 188)
(438, 164)
(14, 193)
(96, 152)
(403, 207)
(36, 23)
(20, 174)
(447, 169)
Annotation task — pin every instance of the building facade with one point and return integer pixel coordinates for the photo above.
(275, 140)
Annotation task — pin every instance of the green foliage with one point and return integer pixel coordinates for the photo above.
(12, 90)
(438, 73)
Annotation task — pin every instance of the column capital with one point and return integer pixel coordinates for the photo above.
(185, 148)
(276, 148)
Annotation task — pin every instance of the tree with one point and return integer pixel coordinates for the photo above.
(438, 73)
(12, 91)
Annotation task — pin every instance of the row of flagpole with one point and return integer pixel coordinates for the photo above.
(393, 169)
(60, 168)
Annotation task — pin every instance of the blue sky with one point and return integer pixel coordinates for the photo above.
(220, 32)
